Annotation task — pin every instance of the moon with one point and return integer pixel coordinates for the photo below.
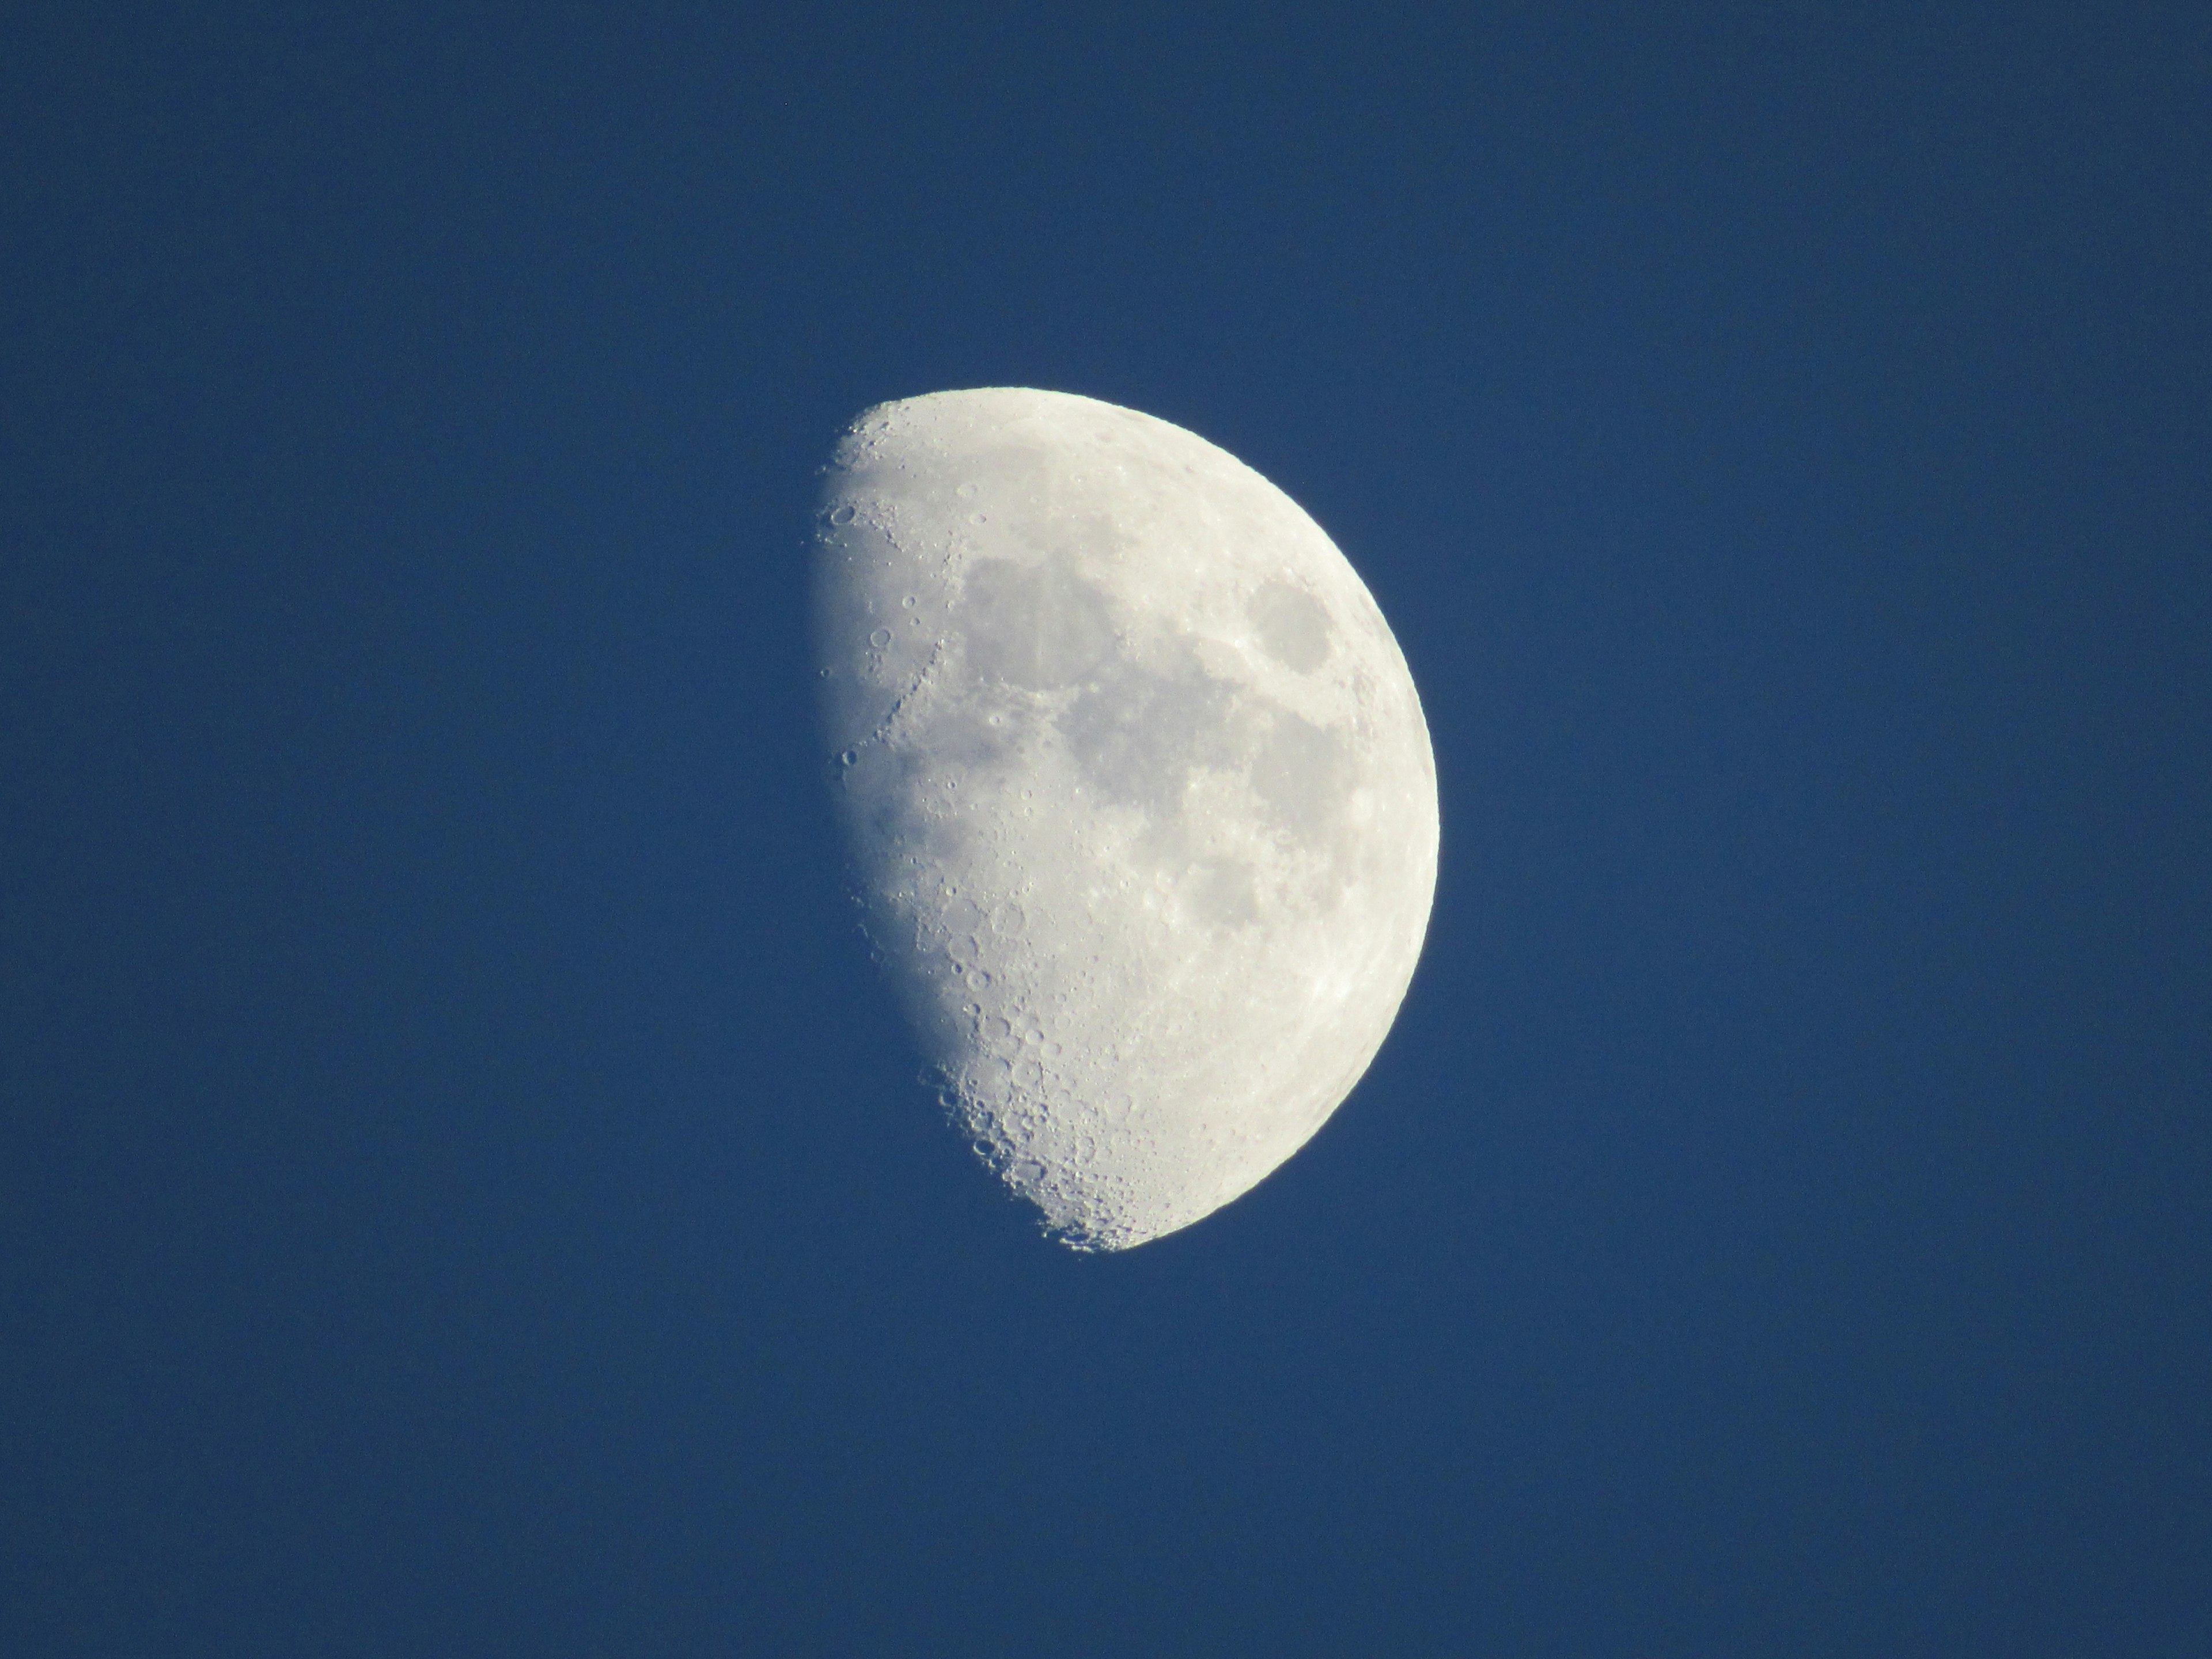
(1136, 790)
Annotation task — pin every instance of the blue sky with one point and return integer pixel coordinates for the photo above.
(462, 1189)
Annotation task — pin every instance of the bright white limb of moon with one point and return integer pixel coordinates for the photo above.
(1137, 787)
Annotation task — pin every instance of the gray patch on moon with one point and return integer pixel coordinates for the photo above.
(1221, 893)
(1138, 731)
(1034, 626)
(1302, 773)
(1292, 625)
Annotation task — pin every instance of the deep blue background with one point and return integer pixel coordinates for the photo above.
(461, 1189)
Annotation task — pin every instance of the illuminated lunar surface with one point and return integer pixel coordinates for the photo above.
(1136, 790)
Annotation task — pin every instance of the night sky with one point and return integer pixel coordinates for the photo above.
(463, 1189)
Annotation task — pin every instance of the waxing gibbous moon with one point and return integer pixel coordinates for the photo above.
(1136, 790)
